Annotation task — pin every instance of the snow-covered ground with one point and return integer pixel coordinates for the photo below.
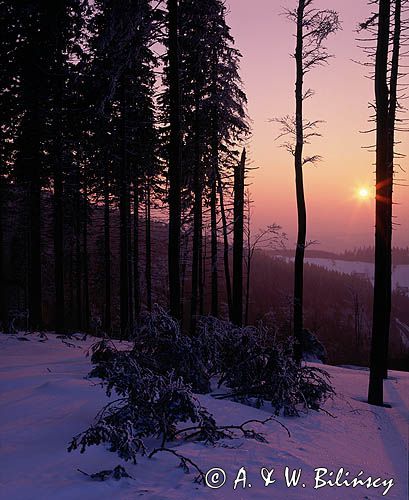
(45, 400)
(400, 274)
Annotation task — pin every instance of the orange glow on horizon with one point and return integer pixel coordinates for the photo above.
(340, 192)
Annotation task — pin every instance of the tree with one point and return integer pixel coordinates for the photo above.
(107, 323)
(239, 184)
(226, 262)
(124, 214)
(41, 37)
(313, 28)
(392, 112)
(61, 27)
(122, 56)
(382, 273)
(213, 123)
(3, 313)
(174, 172)
(10, 103)
(386, 28)
(389, 106)
(268, 238)
(29, 162)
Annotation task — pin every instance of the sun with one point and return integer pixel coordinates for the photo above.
(364, 193)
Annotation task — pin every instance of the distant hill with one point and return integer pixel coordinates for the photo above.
(338, 306)
(361, 254)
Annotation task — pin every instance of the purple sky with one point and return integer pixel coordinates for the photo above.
(337, 218)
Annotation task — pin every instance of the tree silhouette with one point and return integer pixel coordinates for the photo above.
(313, 28)
(174, 174)
(386, 106)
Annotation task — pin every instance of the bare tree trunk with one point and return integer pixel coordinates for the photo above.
(59, 202)
(248, 258)
(202, 269)
(129, 241)
(123, 223)
(175, 165)
(225, 247)
(148, 244)
(239, 177)
(389, 187)
(59, 249)
(35, 277)
(184, 263)
(299, 182)
(3, 314)
(246, 319)
(213, 191)
(382, 273)
(137, 279)
(197, 231)
(28, 170)
(214, 247)
(86, 261)
(78, 256)
(107, 252)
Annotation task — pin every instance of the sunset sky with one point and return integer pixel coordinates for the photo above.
(338, 219)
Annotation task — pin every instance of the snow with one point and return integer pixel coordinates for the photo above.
(400, 273)
(46, 400)
(404, 333)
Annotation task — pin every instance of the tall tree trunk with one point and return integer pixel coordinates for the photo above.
(202, 268)
(59, 203)
(78, 259)
(123, 223)
(246, 317)
(129, 238)
(248, 258)
(226, 262)
(382, 273)
(214, 247)
(28, 170)
(197, 229)
(213, 188)
(391, 156)
(59, 247)
(3, 314)
(184, 262)
(85, 261)
(35, 275)
(56, 17)
(239, 177)
(299, 182)
(137, 280)
(175, 169)
(107, 251)
(148, 244)
(70, 216)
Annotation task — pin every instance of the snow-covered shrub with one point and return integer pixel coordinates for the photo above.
(257, 367)
(160, 346)
(148, 405)
(313, 350)
(214, 340)
(152, 383)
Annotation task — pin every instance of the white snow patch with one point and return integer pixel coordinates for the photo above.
(45, 400)
(400, 273)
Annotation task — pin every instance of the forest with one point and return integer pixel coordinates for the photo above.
(127, 231)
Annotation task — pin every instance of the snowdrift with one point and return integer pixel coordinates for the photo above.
(46, 400)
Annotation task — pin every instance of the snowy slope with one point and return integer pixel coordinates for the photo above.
(45, 400)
